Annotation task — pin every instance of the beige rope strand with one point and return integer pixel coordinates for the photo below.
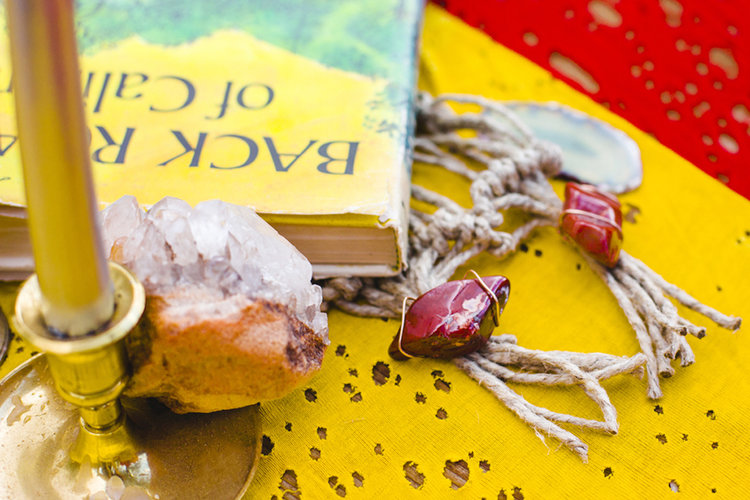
(427, 151)
(535, 359)
(641, 333)
(522, 408)
(661, 348)
(572, 376)
(563, 418)
(546, 377)
(669, 309)
(590, 386)
(644, 303)
(589, 362)
(686, 353)
(632, 365)
(721, 319)
(600, 366)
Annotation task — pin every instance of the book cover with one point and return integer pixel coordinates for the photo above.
(301, 110)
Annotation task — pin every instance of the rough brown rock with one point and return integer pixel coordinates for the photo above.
(231, 318)
(199, 363)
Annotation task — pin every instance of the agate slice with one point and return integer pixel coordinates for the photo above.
(232, 317)
(451, 320)
(594, 152)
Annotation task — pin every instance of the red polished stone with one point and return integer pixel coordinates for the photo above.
(593, 220)
(451, 320)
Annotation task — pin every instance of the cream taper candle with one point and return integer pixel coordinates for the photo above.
(62, 213)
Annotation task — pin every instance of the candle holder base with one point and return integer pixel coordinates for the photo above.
(212, 455)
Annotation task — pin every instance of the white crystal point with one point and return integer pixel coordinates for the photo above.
(120, 219)
(225, 290)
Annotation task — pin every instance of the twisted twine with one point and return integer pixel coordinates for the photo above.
(514, 175)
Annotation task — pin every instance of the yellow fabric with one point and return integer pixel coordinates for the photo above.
(691, 229)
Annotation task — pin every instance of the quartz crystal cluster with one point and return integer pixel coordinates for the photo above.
(231, 317)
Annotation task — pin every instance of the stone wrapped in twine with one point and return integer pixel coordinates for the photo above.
(516, 176)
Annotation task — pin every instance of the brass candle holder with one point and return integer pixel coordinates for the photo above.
(90, 371)
(67, 431)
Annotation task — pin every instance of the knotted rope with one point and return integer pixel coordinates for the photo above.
(515, 176)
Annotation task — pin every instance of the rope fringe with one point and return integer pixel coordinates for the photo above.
(516, 168)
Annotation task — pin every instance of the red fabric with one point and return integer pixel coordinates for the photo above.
(679, 69)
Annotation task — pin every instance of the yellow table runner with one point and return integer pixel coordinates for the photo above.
(370, 427)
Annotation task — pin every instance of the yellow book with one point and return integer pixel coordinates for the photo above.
(301, 110)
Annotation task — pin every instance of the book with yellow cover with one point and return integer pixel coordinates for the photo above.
(301, 110)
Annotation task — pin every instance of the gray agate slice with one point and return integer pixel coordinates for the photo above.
(594, 152)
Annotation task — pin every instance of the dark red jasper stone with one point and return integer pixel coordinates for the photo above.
(593, 220)
(451, 320)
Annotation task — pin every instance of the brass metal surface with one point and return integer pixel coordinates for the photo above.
(211, 456)
(4, 336)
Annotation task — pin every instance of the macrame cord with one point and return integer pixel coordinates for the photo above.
(515, 176)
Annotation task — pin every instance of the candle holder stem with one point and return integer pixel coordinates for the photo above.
(110, 445)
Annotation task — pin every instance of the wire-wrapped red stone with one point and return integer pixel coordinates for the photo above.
(593, 220)
(452, 319)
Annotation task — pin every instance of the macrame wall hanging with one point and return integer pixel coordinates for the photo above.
(515, 173)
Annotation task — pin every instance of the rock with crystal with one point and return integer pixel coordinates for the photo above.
(593, 220)
(231, 315)
(451, 320)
